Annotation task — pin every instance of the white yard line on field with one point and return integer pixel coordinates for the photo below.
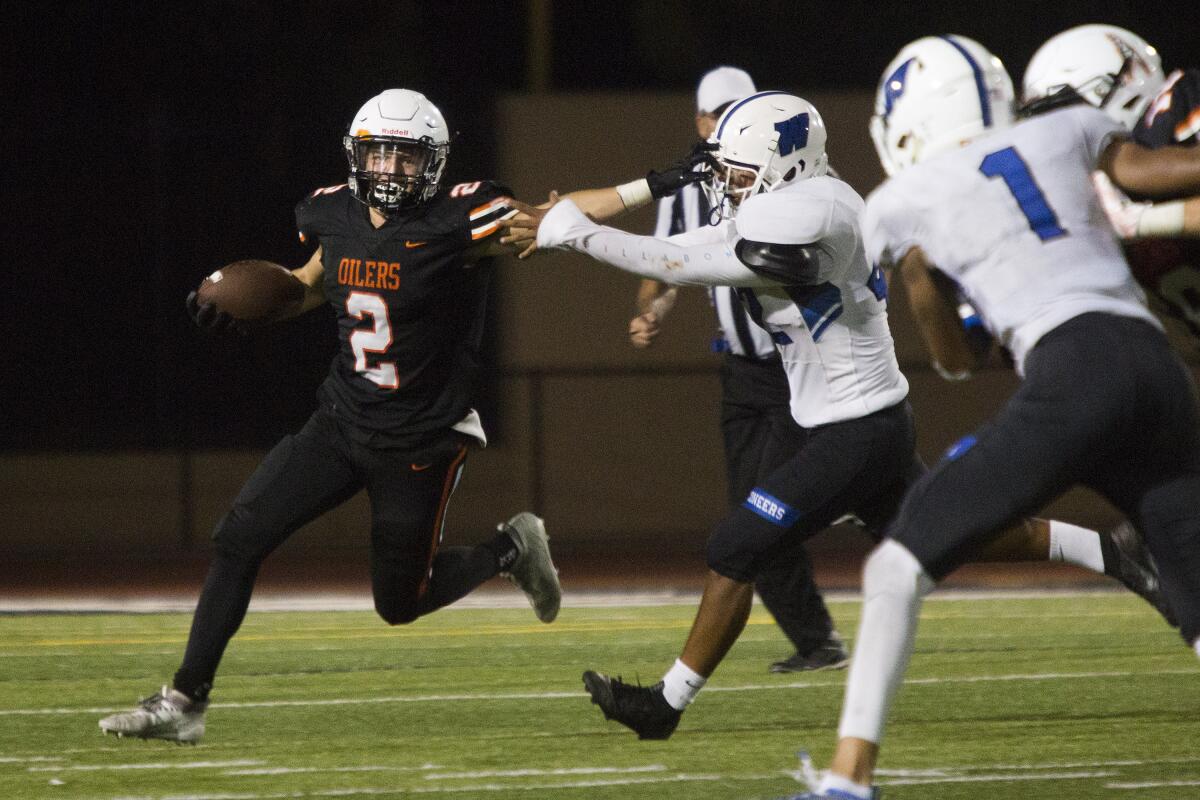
(155, 766)
(833, 683)
(362, 601)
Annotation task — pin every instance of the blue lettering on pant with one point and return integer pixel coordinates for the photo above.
(961, 446)
(772, 509)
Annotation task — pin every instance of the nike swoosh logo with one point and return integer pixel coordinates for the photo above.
(420, 467)
(411, 244)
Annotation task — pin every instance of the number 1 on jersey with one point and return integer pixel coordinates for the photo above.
(375, 340)
(1008, 165)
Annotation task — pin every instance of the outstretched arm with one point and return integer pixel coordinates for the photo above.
(1165, 172)
(672, 260)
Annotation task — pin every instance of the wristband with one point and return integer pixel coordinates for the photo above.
(635, 194)
(1161, 219)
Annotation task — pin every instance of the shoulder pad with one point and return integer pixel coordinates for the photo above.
(790, 264)
(321, 210)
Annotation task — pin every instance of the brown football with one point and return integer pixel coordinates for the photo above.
(252, 291)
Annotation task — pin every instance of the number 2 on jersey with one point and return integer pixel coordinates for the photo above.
(1008, 165)
(376, 339)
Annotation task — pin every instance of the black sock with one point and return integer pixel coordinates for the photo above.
(505, 550)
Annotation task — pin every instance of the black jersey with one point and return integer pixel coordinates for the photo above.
(1173, 117)
(1170, 267)
(410, 299)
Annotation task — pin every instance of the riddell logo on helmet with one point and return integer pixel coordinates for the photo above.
(395, 132)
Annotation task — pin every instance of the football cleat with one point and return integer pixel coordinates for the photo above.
(832, 794)
(642, 709)
(829, 655)
(1135, 568)
(808, 775)
(533, 571)
(168, 714)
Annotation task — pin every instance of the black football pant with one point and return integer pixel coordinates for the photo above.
(312, 472)
(1104, 403)
(760, 435)
(861, 466)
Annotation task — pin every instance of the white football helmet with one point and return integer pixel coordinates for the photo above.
(938, 93)
(397, 147)
(762, 142)
(1109, 67)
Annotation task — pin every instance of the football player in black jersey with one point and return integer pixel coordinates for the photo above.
(405, 264)
(1119, 72)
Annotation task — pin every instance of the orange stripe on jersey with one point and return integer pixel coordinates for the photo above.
(479, 233)
(1189, 126)
(491, 227)
(487, 208)
(439, 518)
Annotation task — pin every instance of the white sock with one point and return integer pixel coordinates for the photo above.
(894, 583)
(1076, 545)
(1196, 645)
(845, 786)
(681, 684)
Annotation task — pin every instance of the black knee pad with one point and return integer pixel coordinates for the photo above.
(236, 536)
(730, 552)
(395, 611)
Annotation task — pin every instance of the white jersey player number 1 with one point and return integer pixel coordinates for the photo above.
(1008, 165)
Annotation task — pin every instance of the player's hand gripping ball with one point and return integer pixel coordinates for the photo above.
(243, 293)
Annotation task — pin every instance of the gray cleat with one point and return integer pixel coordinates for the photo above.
(169, 715)
(533, 572)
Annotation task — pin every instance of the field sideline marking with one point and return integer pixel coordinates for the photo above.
(384, 632)
(1150, 784)
(752, 687)
(157, 765)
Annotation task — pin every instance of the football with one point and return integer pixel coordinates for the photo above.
(251, 291)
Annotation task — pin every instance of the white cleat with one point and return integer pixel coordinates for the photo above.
(169, 715)
(533, 572)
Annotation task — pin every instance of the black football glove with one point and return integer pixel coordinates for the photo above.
(212, 320)
(685, 172)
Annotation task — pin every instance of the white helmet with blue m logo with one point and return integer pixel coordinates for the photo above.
(765, 141)
(938, 93)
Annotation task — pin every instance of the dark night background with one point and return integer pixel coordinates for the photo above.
(147, 144)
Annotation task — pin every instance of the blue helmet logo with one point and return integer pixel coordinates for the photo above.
(793, 133)
(893, 87)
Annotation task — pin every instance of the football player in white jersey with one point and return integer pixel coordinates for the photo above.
(791, 242)
(1005, 213)
(1119, 72)
(795, 252)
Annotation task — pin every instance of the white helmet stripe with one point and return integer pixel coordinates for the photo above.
(985, 106)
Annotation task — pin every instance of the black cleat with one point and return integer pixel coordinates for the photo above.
(830, 655)
(642, 709)
(1135, 568)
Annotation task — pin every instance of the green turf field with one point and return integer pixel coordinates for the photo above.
(1060, 697)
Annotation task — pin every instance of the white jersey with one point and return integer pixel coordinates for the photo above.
(1013, 220)
(831, 333)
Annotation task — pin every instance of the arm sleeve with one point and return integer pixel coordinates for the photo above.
(679, 260)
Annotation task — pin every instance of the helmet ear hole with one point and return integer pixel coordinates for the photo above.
(791, 173)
